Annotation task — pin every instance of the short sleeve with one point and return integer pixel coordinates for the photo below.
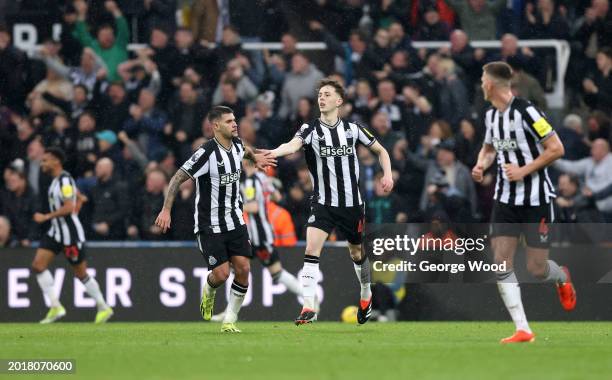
(249, 192)
(197, 164)
(67, 189)
(364, 136)
(305, 133)
(535, 122)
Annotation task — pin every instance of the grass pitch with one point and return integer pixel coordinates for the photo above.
(270, 350)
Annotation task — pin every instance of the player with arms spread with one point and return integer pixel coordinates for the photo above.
(524, 144)
(330, 146)
(219, 225)
(66, 235)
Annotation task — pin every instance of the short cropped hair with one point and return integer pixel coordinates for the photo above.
(57, 153)
(218, 111)
(500, 71)
(335, 84)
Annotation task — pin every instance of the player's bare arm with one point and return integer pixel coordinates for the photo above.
(261, 158)
(163, 219)
(486, 156)
(553, 150)
(287, 148)
(251, 207)
(67, 209)
(385, 163)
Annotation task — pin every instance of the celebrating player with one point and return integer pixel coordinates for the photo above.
(526, 145)
(219, 225)
(66, 235)
(330, 149)
(256, 190)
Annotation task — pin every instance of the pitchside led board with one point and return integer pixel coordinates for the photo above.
(451, 279)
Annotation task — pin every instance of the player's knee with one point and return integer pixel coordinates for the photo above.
(537, 269)
(221, 273)
(242, 269)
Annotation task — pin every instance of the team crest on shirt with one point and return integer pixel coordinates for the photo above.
(211, 260)
(348, 133)
(311, 219)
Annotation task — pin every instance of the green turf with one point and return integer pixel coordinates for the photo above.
(268, 350)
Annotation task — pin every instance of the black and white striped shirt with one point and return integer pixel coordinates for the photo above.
(66, 230)
(216, 172)
(256, 188)
(517, 135)
(331, 155)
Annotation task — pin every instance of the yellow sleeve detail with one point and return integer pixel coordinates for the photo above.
(542, 127)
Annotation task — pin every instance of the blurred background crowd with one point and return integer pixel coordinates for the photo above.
(127, 118)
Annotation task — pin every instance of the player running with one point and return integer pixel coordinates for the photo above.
(525, 145)
(330, 149)
(219, 225)
(66, 235)
(256, 190)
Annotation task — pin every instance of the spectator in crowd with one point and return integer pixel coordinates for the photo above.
(84, 74)
(572, 205)
(544, 21)
(470, 60)
(390, 105)
(432, 28)
(146, 123)
(62, 135)
(269, 128)
(523, 57)
(399, 40)
(107, 147)
(140, 73)
(419, 9)
(156, 13)
(187, 112)
(43, 98)
(206, 20)
(6, 237)
(112, 107)
(418, 113)
(37, 180)
(18, 203)
(445, 175)
(595, 171)
(381, 125)
(573, 138)
(146, 206)
(598, 124)
(86, 145)
(468, 143)
(526, 86)
(359, 60)
(13, 69)
(110, 202)
(245, 89)
(598, 86)
(478, 16)
(595, 28)
(299, 83)
(230, 98)
(110, 47)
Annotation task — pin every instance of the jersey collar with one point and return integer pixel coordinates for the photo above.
(222, 147)
(330, 126)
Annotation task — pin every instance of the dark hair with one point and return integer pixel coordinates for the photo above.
(607, 51)
(218, 111)
(57, 153)
(573, 179)
(334, 83)
(498, 70)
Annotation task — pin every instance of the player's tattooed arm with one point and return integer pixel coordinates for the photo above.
(261, 158)
(163, 219)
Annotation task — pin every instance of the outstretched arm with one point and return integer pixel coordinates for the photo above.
(163, 219)
(288, 148)
(385, 163)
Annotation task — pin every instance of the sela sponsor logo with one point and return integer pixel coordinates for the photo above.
(505, 145)
(336, 151)
(229, 178)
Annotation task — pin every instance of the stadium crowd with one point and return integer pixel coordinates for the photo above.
(128, 118)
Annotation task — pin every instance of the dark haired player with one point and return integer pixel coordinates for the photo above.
(330, 145)
(219, 225)
(66, 235)
(524, 144)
